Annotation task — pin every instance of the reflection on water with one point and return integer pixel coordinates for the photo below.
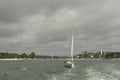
(54, 70)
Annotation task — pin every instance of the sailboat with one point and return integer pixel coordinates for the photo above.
(101, 53)
(70, 63)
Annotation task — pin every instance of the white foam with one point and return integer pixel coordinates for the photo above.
(93, 74)
(24, 69)
(114, 72)
(65, 76)
(7, 73)
(54, 77)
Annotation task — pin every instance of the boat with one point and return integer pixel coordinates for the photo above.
(101, 54)
(70, 63)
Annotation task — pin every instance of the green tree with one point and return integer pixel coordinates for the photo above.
(23, 55)
(32, 55)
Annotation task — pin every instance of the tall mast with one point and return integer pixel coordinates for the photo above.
(72, 42)
(101, 52)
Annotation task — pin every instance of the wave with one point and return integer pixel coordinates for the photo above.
(67, 75)
(94, 74)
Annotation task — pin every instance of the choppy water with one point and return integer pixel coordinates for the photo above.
(54, 70)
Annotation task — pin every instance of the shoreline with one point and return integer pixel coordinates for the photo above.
(16, 59)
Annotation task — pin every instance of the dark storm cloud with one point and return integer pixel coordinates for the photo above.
(45, 26)
(14, 10)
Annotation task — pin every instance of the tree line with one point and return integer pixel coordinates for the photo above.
(105, 55)
(32, 55)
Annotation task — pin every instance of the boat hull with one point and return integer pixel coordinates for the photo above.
(68, 64)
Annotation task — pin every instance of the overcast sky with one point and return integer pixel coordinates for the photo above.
(44, 26)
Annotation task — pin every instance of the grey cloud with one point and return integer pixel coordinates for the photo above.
(9, 31)
(44, 26)
(14, 10)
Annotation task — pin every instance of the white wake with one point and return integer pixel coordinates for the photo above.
(94, 74)
(67, 75)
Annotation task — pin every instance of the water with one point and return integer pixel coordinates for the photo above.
(54, 70)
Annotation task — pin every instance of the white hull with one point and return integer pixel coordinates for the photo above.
(69, 64)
